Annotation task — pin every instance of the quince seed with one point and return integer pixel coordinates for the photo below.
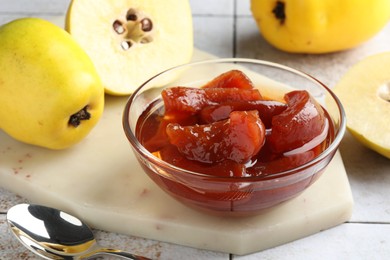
(131, 15)
(146, 25)
(146, 39)
(126, 45)
(118, 27)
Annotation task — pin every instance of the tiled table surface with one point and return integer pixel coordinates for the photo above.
(226, 28)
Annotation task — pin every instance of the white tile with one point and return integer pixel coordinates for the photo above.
(214, 35)
(56, 19)
(9, 17)
(212, 7)
(370, 180)
(243, 7)
(34, 6)
(347, 241)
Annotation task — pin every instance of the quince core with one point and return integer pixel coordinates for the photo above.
(130, 41)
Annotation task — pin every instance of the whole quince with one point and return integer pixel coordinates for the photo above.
(319, 26)
(50, 92)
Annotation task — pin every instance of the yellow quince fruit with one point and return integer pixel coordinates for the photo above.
(50, 92)
(319, 26)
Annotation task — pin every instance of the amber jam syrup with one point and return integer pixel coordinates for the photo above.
(150, 131)
(260, 186)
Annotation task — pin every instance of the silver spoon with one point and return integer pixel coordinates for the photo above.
(54, 234)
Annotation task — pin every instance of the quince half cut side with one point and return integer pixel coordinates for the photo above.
(364, 92)
(130, 41)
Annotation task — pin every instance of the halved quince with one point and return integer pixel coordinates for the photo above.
(365, 94)
(130, 41)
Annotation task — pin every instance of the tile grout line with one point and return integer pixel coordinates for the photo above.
(234, 52)
(368, 222)
(234, 38)
(2, 13)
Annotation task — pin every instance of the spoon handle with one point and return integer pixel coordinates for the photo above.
(118, 253)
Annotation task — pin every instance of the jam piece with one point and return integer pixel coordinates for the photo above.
(238, 138)
(156, 136)
(266, 108)
(269, 163)
(219, 129)
(230, 79)
(226, 168)
(192, 100)
(303, 120)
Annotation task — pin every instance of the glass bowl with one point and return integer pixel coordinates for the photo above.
(236, 196)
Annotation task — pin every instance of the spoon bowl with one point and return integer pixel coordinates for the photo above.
(55, 234)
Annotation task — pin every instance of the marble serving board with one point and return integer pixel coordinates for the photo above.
(100, 181)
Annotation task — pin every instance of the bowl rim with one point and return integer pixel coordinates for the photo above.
(141, 150)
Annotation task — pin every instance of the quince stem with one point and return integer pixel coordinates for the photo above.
(279, 11)
(75, 119)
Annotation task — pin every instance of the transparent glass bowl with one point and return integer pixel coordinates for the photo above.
(233, 195)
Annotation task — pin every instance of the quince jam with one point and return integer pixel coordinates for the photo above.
(227, 128)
